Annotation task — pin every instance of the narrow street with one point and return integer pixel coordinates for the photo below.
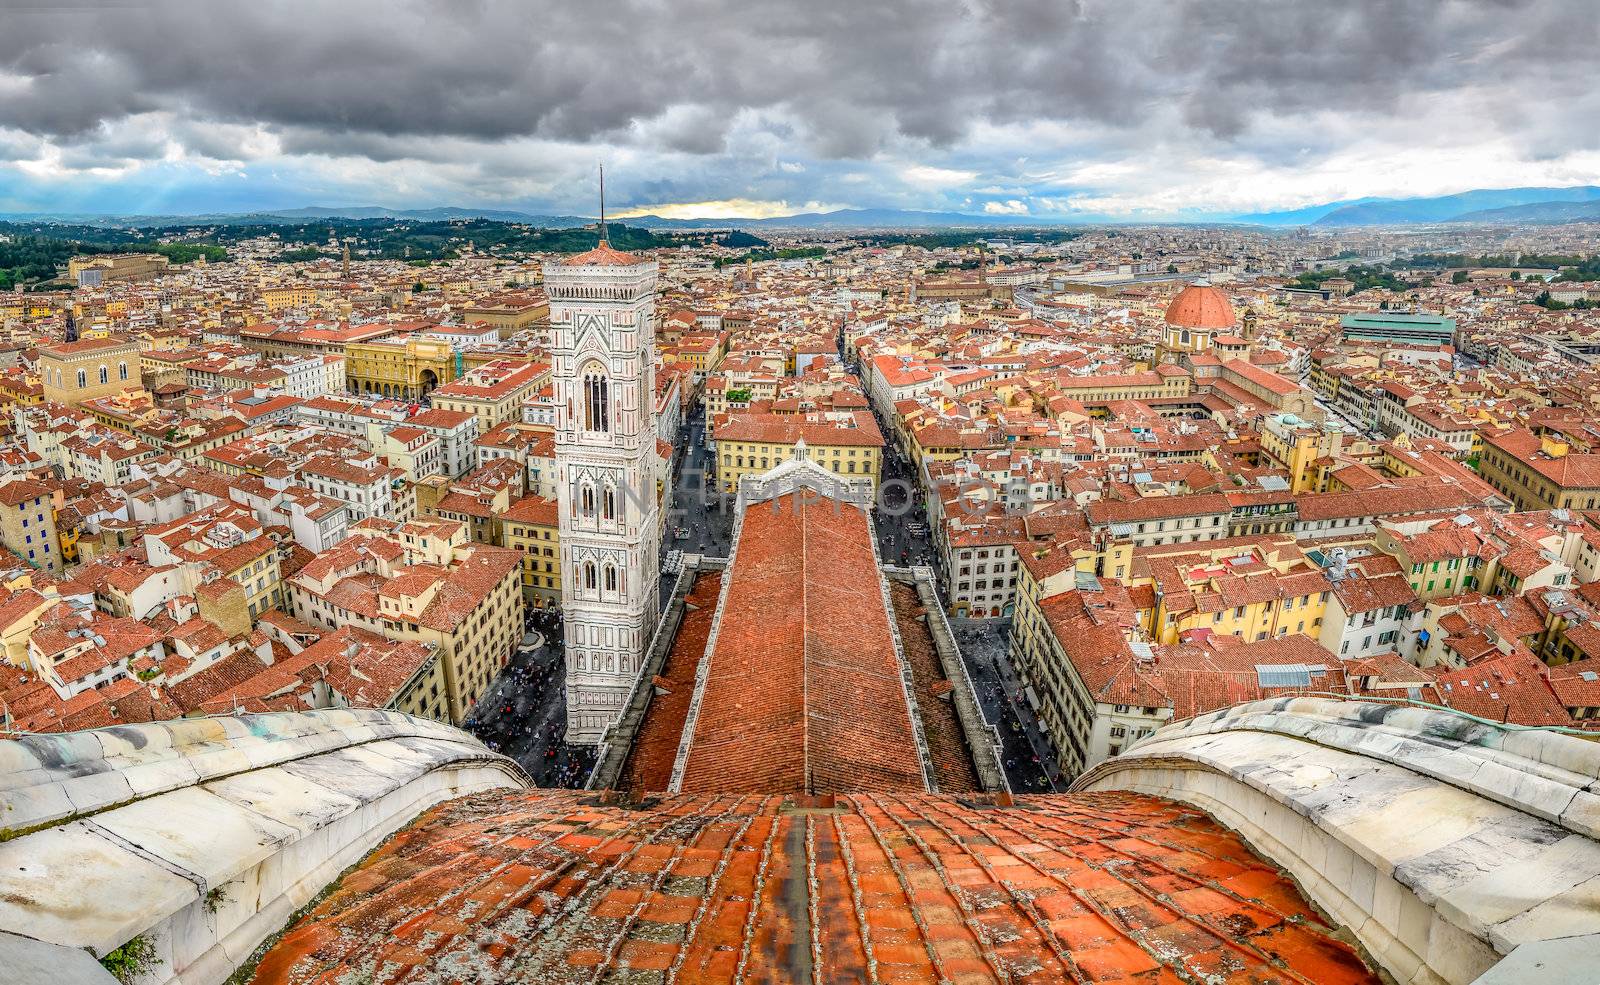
(523, 713)
(700, 512)
(1029, 762)
(899, 509)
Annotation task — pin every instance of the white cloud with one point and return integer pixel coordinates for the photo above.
(932, 177)
(1010, 206)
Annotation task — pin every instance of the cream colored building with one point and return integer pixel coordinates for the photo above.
(492, 393)
(72, 372)
(421, 581)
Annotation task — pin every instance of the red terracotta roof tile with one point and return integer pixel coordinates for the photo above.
(803, 695)
(557, 887)
(655, 746)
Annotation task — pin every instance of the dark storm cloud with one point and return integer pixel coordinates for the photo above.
(427, 81)
(926, 70)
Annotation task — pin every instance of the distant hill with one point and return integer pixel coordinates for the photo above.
(1488, 205)
(858, 219)
(1446, 208)
(841, 219)
(1299, 217)
(1551, 212)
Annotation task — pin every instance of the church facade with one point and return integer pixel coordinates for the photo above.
(602, 320)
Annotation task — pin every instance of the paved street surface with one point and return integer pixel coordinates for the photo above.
(705, 516)
(1029, 762)
(894, 515)
(699, 511)
(523, 713)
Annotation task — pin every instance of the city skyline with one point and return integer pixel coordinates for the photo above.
(676, 491)
(1045, 111)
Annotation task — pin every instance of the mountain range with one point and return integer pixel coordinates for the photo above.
(1579, 203)
(1491, 205)
(839, 219)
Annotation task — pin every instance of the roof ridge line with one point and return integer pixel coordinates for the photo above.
(805, 648)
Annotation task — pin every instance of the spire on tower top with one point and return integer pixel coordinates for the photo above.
(603, 206)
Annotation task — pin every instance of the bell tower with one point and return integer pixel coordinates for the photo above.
(602, 322)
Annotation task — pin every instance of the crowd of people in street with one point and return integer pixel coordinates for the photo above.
(1029, 757)
(523, 713)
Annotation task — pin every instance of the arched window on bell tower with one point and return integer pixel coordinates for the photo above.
(596, 402)
(608, 503)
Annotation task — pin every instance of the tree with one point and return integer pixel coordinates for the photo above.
(1516, 275)
(418, 287)
(738, 239)
(1459, 277)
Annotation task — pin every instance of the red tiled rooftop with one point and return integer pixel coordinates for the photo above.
(941, 727)
(804, 693)
(604, 255)
(655, 747)
(557, 887)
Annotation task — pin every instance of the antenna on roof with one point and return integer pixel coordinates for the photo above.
(603, 206)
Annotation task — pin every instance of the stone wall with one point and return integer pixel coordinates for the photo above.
(1445, 843)
(203, 836)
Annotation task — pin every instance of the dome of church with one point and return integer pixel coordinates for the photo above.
(1201, 306)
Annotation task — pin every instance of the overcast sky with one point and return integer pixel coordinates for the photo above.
(751, 107)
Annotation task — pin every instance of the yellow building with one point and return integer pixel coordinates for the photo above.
(285, 298)
(21, 617)
(92, 271)
(1298, 447)
(509, 313)
(72, 372)
(28, 524)
(1255, 588)
(405, 367)
(702, 353)
(1163, 381)
(1541, 471)
(848, 444)
(19, 392)
(532, 526)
